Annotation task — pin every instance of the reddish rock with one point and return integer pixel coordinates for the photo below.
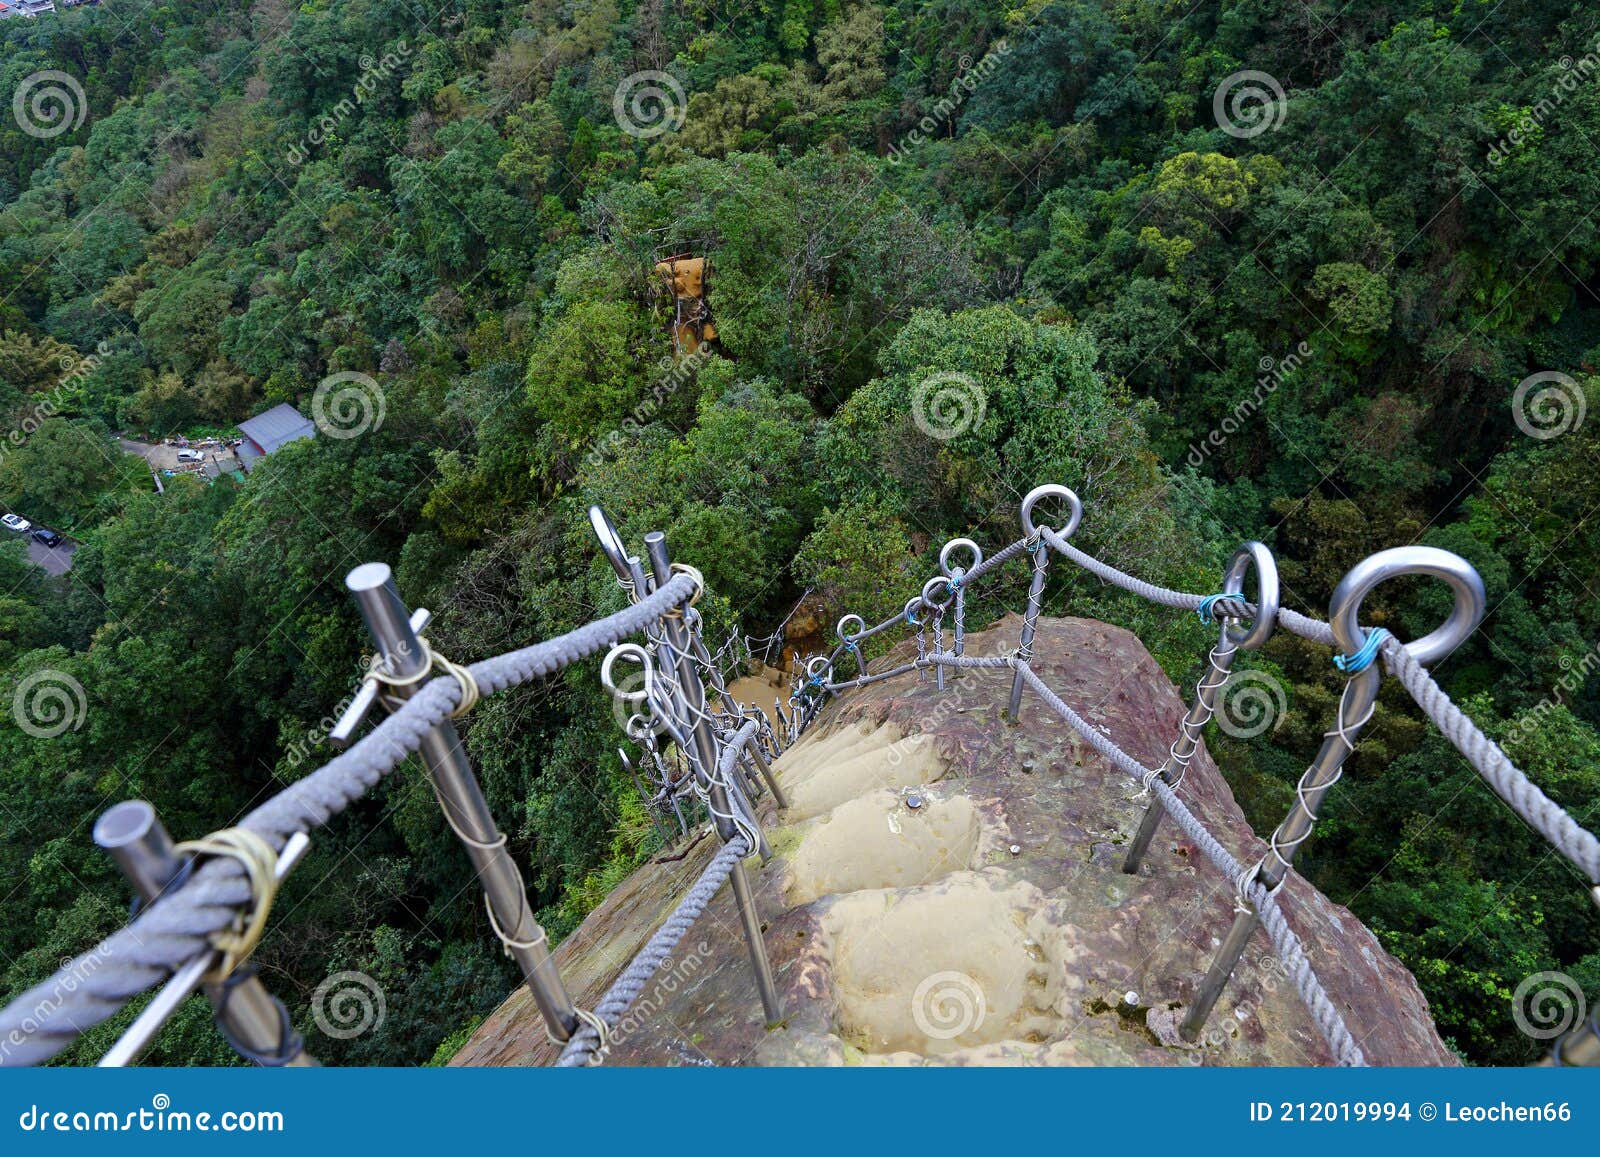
(1084, 933)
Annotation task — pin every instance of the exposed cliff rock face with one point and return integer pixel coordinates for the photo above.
(946, 887)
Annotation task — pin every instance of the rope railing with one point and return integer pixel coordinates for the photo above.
(192, 904)
(1257, 886)
(201, 914)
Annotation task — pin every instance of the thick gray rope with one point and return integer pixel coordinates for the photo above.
(1293, 954)
(1285, 942)
(999, 558)
(585, 1045)
(42, 1021)
(1303, 625)
(1546, 816)
(863, 680)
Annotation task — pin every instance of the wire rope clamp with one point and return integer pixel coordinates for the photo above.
(1466, 613)
(1050, 490)
(370, 692)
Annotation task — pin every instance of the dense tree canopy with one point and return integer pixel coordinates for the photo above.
(957, 249)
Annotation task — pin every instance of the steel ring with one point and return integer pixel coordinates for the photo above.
(913, 604)
(638, 654)
(1268, 594)
(1471, 600)
(848, 636)
(956, 544)
(932, 584)
(1050, 490)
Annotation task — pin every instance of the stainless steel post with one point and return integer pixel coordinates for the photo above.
(703, 760)
(462, 800)
(730, 704)
(937, 608)
(1219, 661)
(768, 778)
(1355, 708)
(1041, 566)
(135, 838)
(956, 574)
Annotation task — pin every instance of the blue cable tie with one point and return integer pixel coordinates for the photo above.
(1362, 659)
(1206, 609)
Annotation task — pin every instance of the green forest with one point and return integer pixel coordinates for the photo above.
(1277, 270)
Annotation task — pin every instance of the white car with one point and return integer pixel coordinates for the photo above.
(16, 522)
(191, 456)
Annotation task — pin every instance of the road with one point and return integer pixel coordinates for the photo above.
(56, 560)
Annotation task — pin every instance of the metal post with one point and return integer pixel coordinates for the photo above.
(938, 607)
(909, 613)
(249, 1016)
(1355, 708)
(703, 760)
(462, 800)
(767, 777)
(1030, 624)
(648, 797)
(955, 574)
(1220, 660)
(1041, 565)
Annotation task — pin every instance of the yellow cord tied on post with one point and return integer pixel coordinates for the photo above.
(699, 587)
(431, 661)
(260, 863)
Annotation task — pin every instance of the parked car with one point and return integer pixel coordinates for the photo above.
(16, 522)
(47, 536)
(191, 456)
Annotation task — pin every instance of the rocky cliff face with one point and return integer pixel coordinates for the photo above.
(946, 887)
